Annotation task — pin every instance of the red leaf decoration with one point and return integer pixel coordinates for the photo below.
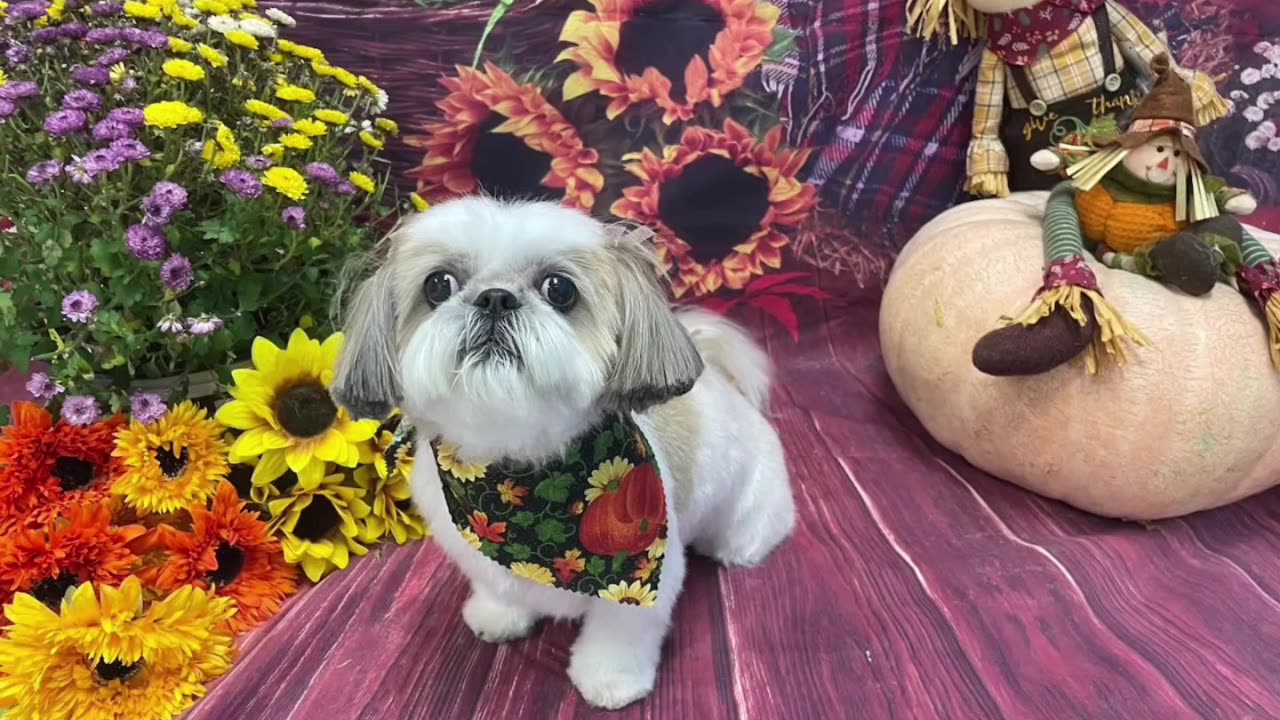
(807, 291)
(780, 308)
(764, 283)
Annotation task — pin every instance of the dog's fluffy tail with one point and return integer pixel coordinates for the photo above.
(727, 347)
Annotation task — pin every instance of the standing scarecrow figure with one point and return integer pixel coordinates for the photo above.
(1049, 67)
(1142, 202)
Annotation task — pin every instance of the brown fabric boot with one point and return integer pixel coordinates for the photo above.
(1186, 263)
(1019, 350)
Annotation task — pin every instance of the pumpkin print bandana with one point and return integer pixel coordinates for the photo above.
(1024, 36)
(592, 522)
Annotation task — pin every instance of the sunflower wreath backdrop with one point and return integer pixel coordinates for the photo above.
(134, 551)
(650, 111)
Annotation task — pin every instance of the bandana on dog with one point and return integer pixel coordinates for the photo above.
(1023, 36)
(592, 522)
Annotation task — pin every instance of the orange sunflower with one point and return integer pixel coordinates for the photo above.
(229, 549)
(716, 202)
(674, 53)
(505, 138)
(46, 467)
(80, 547)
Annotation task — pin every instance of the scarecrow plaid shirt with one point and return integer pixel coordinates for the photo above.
(1073, 68)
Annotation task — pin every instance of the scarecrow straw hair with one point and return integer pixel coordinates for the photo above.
(926, 18)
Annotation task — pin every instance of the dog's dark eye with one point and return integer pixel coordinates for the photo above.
(1177, 153)
(439, 286)
(1159, 148)
(560, 292)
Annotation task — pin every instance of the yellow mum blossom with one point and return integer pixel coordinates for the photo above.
(243, 39)
(3, 80)
(368, 85)
(296, 141)
(362, 181)
(183, 70)
(369, 139)
(184, 21)
(275, 151)
(333, 117)
(310, 127)
(4, 7)
(142, 10)
(171, 114)
(211, 7)
(346, 77)
(179, 45)
(305, 52)
(212, 56)
(287, 182)
(55, 11)
(419, 203)
(276, 58)
(118, 73)
(223, 152)
(266, 110)
(293, 93)
(388, 125)
(233, 5)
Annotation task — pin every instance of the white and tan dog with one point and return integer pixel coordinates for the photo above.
(509, 329)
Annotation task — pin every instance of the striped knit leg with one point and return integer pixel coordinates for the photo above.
(1118, 261)
(1254, 253)
(1062, 238)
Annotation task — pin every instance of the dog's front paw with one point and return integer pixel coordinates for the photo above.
(608, 686)
(494, 621)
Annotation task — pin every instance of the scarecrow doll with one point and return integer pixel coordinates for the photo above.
(1142, 202)
(1048, 68)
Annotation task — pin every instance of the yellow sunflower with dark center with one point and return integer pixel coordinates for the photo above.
(173, 463)
(718, 202)
(674, 53)
(106, 656)
(505, 138)
(320, 529)
(391, 505)
(288, 419)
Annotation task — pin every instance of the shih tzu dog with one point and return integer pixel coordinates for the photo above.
(583, 433)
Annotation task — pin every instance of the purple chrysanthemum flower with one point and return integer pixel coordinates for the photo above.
(204, 325)
(19, 90)
(91, 76)
(147, 408)
(79, 306)
(65, 122)
(151, 39)
(17, 54)
(165, 199)
(28, 10)
(345, 188)
(243, 183)
(43, 388)
(111, 57)
(129, 150)
(282, 123)
(322, 172)
(132, 35)
(258, 162)
(146, 243)
(132, 117)
(108, 130)
(127, 86)
(86, 100)
(295, 218)
(7, 108)
(43, 172)
(171, 325)
(107, 9)
(46, 36)
(176, 273)
(81, 410)
(103, 36)
(78, 173)
(101, 162)
(73, 31)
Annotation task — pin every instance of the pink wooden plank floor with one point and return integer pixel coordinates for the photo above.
(915, 587)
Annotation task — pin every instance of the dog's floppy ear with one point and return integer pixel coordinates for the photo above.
(367, 381)
(657, 359)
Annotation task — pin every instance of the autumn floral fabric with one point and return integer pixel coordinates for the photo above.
(593, 522)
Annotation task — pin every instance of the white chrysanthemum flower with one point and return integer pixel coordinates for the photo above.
(222, 24)
(380, 102)
(258, 27)
(281, 17)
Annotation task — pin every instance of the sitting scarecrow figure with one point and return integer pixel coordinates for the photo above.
(1047, 64)
(1142, 202)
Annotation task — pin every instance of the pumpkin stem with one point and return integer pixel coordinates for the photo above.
(1112, 327)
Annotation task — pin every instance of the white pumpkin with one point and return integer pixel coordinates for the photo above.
(1188, 424)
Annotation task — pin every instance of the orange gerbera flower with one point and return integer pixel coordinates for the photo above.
(81, 547)
(507, 139)
(231, 550)
(636, 51)
(46, 467)
(717, 201)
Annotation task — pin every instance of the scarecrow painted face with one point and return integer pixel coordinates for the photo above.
(1158, 160)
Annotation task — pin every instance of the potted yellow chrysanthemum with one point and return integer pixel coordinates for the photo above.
(180, 180)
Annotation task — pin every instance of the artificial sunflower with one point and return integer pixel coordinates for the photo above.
(750, 188)
(321, 527)
(507, 139)
(283, 407)
(674, 53)
(636, 593)
(230, 551)
(105, 657)
(174, 463)
(47, 466)
(391, 506)
(80, 547)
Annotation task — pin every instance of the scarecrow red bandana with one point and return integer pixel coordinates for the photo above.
(1024, 36)
(592, 522)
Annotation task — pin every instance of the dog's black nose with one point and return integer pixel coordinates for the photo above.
(496, 301)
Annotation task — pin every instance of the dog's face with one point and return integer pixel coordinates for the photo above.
(487, 312)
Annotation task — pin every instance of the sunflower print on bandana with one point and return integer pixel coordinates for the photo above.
(593, 522)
